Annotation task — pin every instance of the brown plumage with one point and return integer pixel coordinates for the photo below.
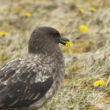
(29, 82)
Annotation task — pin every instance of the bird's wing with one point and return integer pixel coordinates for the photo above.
(21, 85)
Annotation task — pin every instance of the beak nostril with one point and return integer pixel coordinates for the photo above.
(64, 39)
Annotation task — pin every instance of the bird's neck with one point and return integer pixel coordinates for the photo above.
(53, 53)
(49, 51)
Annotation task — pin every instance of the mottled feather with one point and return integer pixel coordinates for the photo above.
(23, 85)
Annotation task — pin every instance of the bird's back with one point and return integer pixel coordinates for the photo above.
(33, 78)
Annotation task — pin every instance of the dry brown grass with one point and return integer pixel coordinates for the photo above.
(87, 60)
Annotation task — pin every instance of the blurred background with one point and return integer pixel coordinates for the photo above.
(87, 24)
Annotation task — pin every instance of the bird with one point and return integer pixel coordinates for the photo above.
(29, 82)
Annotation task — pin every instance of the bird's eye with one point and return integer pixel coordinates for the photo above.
(57, 35)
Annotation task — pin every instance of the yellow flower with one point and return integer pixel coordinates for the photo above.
(99, 82)
(92, 9)
(68, 43)
(3, 33)
(83, 28)
(27, 14)
(81, 10)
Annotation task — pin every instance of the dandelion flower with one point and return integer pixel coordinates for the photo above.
(27, 14)
(92, 9)
(3, 33)
(83, 28)
(81, 10)
(99, 82)
(68, 43)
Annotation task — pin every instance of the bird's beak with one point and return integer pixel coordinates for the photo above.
(65, 41)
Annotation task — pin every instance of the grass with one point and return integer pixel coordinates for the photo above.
(87, 60)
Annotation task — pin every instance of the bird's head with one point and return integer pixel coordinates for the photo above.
(46, 39)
